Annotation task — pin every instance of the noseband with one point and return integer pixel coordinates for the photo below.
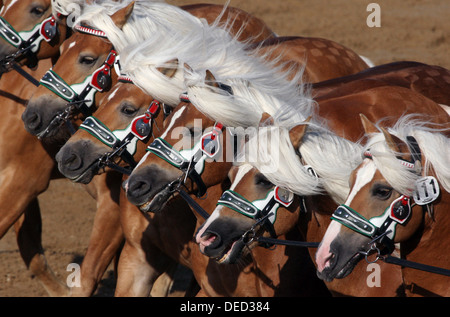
(264, 211)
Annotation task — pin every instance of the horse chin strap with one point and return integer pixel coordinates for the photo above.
(382, 228)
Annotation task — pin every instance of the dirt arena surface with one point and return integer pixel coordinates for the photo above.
(415, 30)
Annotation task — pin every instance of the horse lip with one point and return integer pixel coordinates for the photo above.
(158, 201)
(82, 178)
(231, 253)
(329, 274)
(349, 266)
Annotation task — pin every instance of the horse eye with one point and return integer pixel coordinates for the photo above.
(87, 60)
(262, 181)
(128, 110)
(382, 192)
(38, 11)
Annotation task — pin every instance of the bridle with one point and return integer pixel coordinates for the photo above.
(264, 211)
(381, 229)
(80, 96)
(191, 162)
(27, 42)
(122, 142)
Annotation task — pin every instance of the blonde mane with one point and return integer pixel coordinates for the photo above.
(433, 143)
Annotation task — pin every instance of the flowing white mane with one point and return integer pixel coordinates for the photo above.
(147, 18)
(434, 146)
(258, 85)
(332, 158)
(254, 93)
(207, 46)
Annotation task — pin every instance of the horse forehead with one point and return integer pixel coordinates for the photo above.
(242, 171)
(364, 175)
(129, 92)
(176, 115)
(79, 42)
(10, 7)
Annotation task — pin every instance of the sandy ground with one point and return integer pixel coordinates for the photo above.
(417, 30)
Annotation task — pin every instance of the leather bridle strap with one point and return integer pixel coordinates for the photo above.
(79, 93)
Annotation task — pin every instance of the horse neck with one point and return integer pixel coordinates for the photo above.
(315, 219)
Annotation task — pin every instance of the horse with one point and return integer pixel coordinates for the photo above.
(93, 55)
(150, 185)
(29, 238)
(20, 188)
(399, 195)
(110, 244)
(31, 32)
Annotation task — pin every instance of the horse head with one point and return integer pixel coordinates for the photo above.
(182, 155)
(73, 87)
(389, 190)
(30, 31)
(115, 136)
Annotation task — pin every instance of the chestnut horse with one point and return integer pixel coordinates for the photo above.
(142, 188)
(30, 32)
(400, 193)
(23, 19)
(357, 69)
(92, 268)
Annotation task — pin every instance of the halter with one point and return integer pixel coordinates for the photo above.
(264, 211)
(123, 142)
(28, 42)
(80, 96)
(83, 92)
(190, 162)
(383, 227)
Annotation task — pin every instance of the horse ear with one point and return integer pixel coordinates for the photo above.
(392, 141)
(210, 79)
(369, 126)
(297, 133)
(169, 71)
(266, 119)
(121, 17)
(188, 67)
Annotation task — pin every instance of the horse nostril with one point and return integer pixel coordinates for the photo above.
(72, 162)
(138, 187)
(32, 120)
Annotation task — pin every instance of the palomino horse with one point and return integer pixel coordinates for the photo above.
(103, 248)
(404, 174)
(163, 173)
